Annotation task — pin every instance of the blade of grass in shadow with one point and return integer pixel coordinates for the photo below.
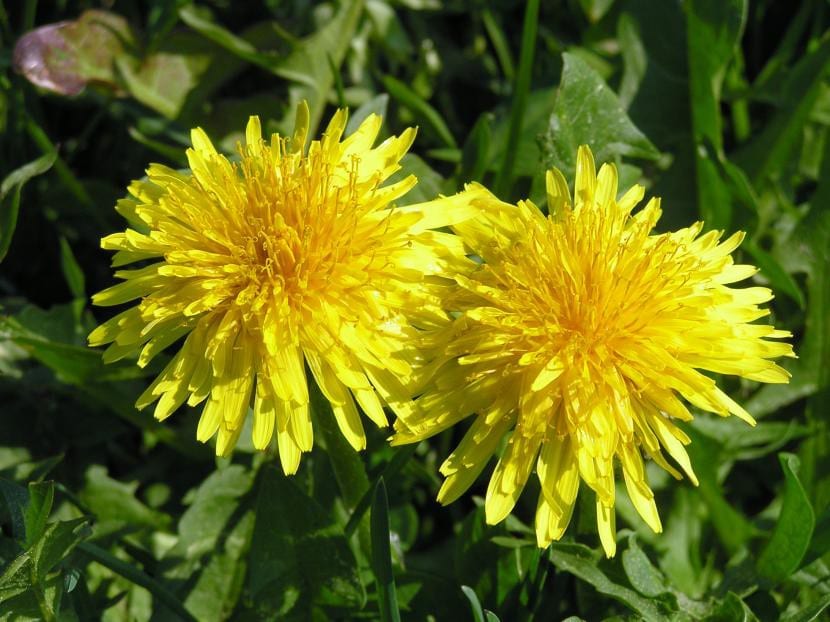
(382, 556)
(504, 178)
(500, 44)
(475, 605)
(133, 574)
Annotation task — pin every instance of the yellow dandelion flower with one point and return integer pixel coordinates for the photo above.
(578, 336)
(288, 257)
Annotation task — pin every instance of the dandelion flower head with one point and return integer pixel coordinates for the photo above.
(289, 257)
(580, 337)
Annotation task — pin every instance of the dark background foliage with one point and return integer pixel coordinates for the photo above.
(721, 107)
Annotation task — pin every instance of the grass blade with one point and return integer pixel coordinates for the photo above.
(522, 87)
(382, 556)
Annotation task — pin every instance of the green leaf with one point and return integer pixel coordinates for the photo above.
(768, 153)
(115, 505)
(220, 583)
(475, 605)
(237, 46)
(713, 30)
(41, 495)
(642, 574)
(72, 271)
(430, 183)
(299, 556)
(731, 609)
(779, 279)
(794, 529)
(634, 58)
(587, 112)
(425, 113)
(382, 556)
(732, 527)
(810, 612)
(521, 90)
(216, 500)
(16, 499)
(55, 544)
(474, 155)
(377, 105)
(581, 562)
(10, 191)
(308, 66)
(136, 576)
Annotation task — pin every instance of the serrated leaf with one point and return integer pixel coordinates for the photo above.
(581, 562)
(55, 544)
(588, 112)
(299, 555)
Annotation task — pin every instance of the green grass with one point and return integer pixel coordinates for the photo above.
(721, 107)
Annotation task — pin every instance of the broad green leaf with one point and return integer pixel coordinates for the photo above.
(377, 105)
(307, 65)
(529, 156)
(16, 578)
(55, 544)
(41, 495)
(299, 557)
(216, 500)
(731, 609)
(582, 562)
(220, 583)
(588, 112)
(115, 505)
(642, 574)
(430, 183)
(10, 196)
(794, 529)
(714, 28)
(174, 79)
(382, 556)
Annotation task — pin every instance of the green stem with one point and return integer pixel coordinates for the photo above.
(504, 179)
